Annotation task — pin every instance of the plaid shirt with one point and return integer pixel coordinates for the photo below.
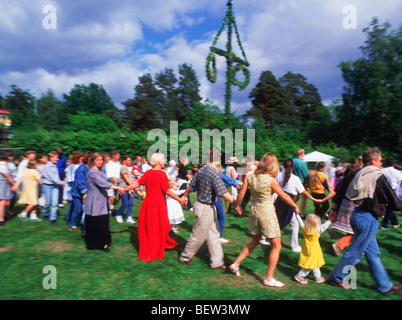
(209, 185)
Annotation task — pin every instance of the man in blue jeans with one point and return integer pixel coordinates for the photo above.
(370, 192)
(51, 185)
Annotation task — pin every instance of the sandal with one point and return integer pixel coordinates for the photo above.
(273, 283)
(235, 270)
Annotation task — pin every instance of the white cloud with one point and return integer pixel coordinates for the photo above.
(103, 42)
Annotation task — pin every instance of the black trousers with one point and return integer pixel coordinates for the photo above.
(320, 208)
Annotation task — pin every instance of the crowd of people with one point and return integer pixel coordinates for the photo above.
(353, 198)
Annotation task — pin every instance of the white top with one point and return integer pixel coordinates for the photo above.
(228, 172)
(293, 186)
(113, 169)
(172, 174)
(145, 167)
(70, 171)
(21, 168)
(393, 175)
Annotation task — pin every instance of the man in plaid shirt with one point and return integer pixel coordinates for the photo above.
(209, 186)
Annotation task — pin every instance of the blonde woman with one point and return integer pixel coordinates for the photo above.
(263, 220)
(153, 220)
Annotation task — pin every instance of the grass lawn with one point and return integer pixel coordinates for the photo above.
(27, 247)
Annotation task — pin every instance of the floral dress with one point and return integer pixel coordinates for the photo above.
(263, 219)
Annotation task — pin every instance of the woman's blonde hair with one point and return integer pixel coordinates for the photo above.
(268, 164)
(156, 158)
(173, 183)
(313, 223)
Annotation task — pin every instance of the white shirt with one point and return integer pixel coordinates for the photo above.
(145, 167)
(293, 186)
(113, 169)
(393, 175)
(21, 168)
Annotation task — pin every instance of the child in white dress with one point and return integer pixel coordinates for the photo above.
(175, 211)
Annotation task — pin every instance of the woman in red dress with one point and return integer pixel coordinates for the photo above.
(153, 220)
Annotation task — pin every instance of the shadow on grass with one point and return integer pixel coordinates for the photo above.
(201, 254)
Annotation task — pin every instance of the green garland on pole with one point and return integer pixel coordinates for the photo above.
(241, 63)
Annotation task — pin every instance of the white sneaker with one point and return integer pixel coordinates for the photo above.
(119, 219)
(300, 279)
(296, 249)
(22, 216)
(34, 219)
(264, 242)
(175, 230)
(191, 209)
(223, 240)
(129, 220)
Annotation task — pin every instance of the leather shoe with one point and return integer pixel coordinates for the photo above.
(394, 289)
(336, 284)
(222, 266)
(187, 262)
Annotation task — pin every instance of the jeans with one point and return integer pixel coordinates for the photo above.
(365, 227)
(69, 210)
(220, 212)
(127, 202)
(51, 192)
(76, 213)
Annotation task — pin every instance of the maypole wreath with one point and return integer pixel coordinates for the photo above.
(233, 62)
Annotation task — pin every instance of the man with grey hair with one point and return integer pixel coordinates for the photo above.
(370, 192)
(206, 228)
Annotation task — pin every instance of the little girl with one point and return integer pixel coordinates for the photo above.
(29, 195)
(175, 211)
(311, 257)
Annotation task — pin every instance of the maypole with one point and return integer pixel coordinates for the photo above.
(233, 62)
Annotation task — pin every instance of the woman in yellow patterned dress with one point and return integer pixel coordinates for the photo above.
(263, 220)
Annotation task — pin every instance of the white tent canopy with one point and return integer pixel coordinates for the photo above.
(317, 156)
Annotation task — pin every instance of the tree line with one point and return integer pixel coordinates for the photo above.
(287, 113)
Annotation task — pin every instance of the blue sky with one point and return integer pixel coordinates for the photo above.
(114, 42)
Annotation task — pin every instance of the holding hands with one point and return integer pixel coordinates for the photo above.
(183, 201)
(333, 216)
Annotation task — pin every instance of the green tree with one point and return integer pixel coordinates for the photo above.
(146, 111)
(51, 112)
(166, 81)
(372, 97)
(85, 121)
(20, 104)
(269, 102)
(304, 96)
(92, 98)
(188, 89)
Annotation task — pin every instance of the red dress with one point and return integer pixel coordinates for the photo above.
(153, 220)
